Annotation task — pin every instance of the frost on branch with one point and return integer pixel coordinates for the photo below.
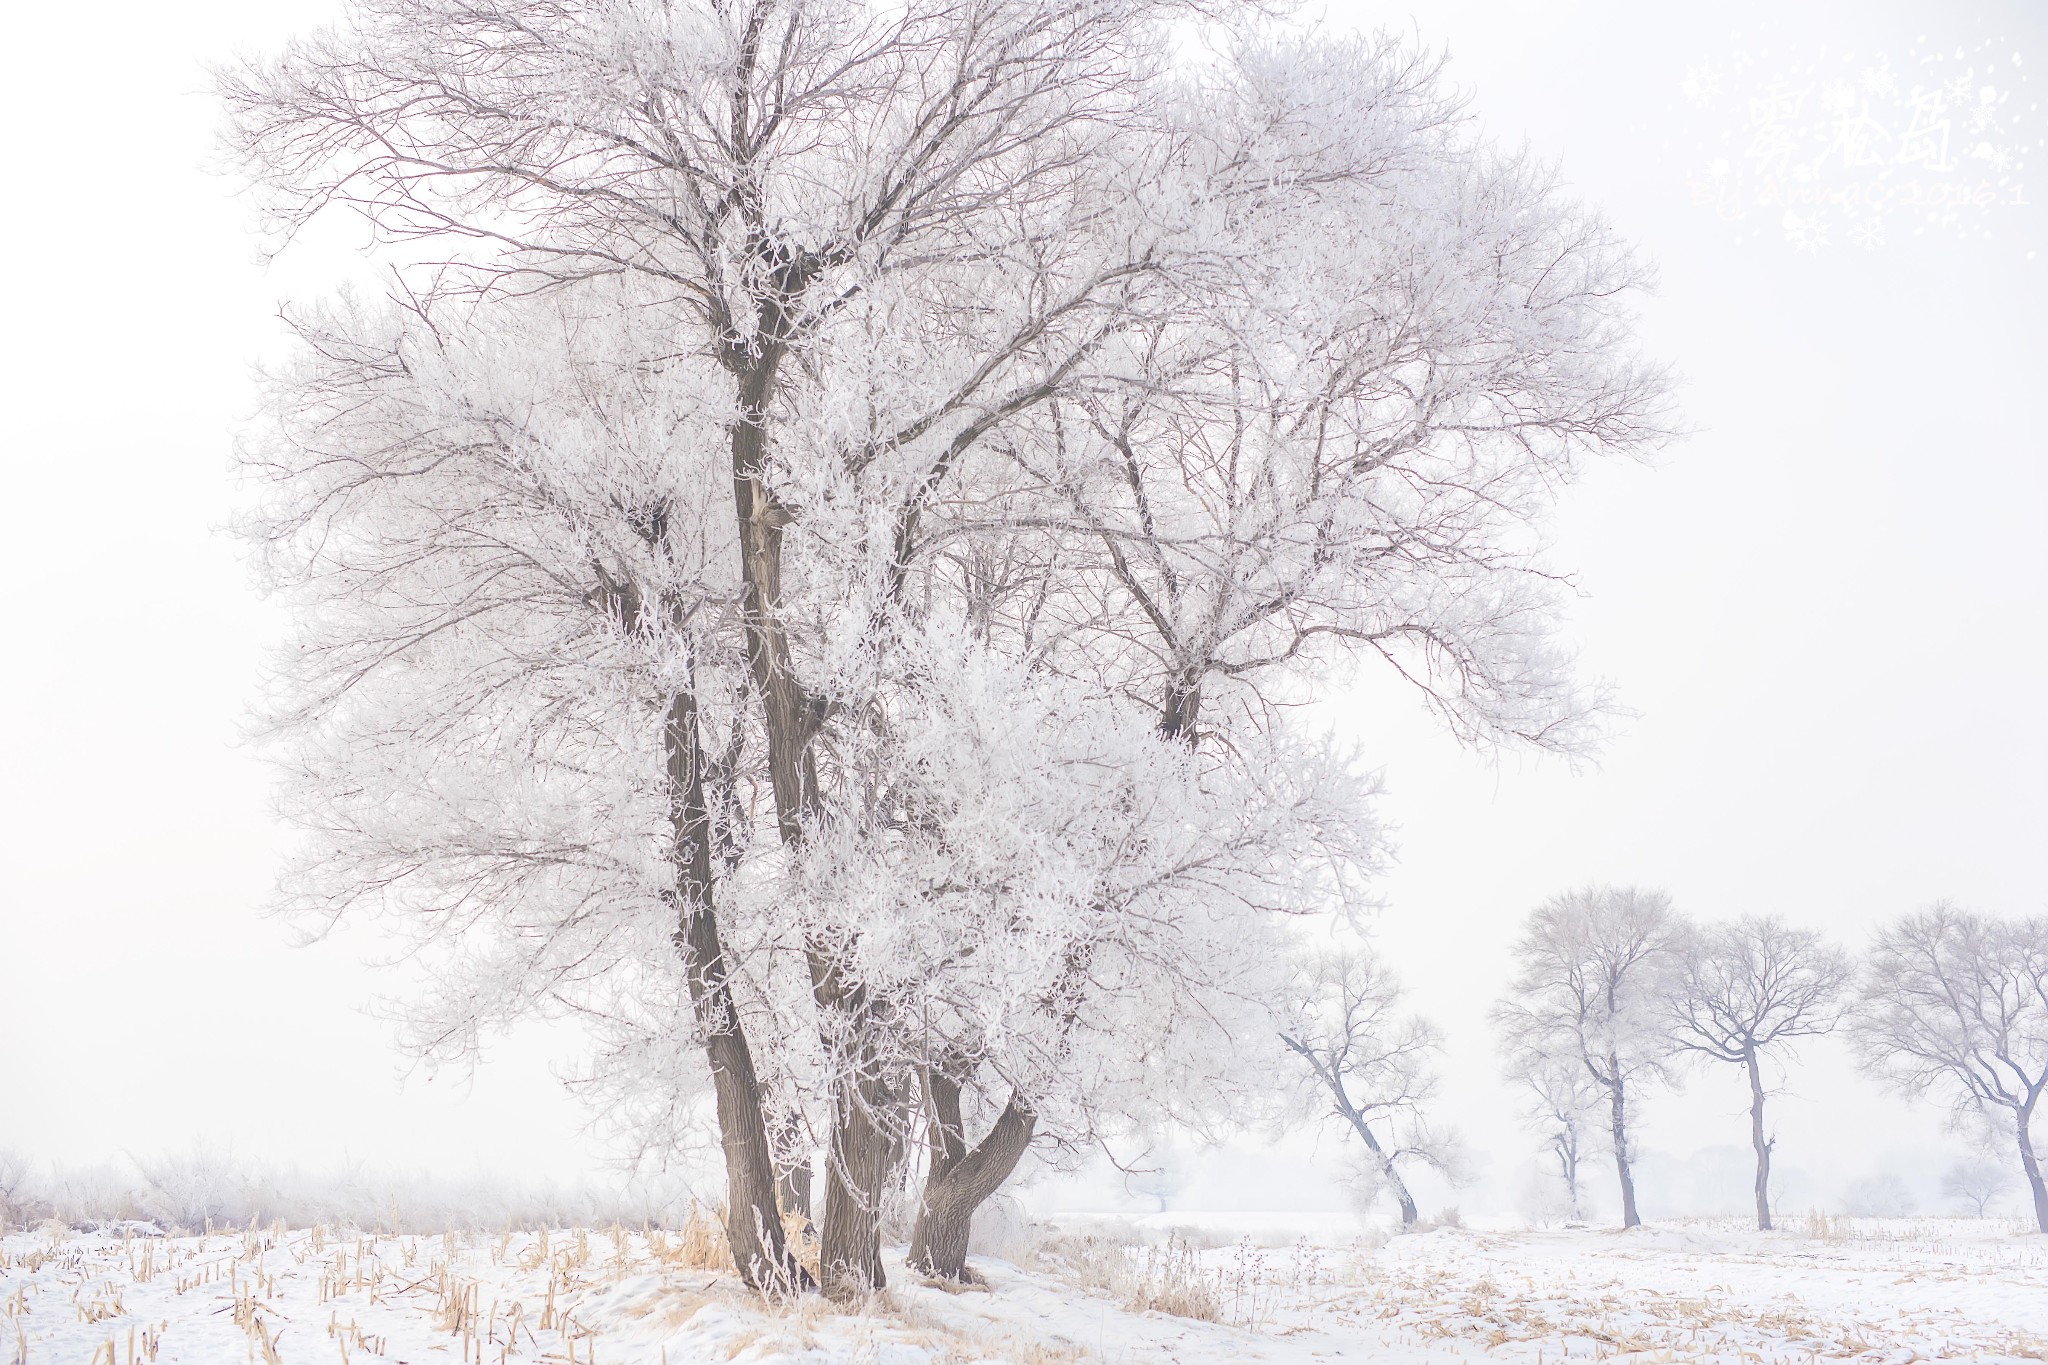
(1596, 965)
(1955, 1003)
(816, 558)
(1373, 1066)
(1749, 990)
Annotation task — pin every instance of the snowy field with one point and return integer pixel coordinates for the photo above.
(1883, 1291)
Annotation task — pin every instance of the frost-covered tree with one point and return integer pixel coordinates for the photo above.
(1071, 917)
(1748, 989)
(1563, 1100)
(1978, 1180)
(507, 718)
(14, 1169)
(1373, 1065)
(1314, 446)
(1956, 1002)
(758, 173)
(1595, 966)
(814, 561)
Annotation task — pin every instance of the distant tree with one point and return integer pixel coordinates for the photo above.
(1752, 987)
(14, 1167)
(1957, 1002)
(1595, 964)
(1374, 1064)
(1563, 1097)
(1159, 1178)
(1883, 1195)
(1976, 1180)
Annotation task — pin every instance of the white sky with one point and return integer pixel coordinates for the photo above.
(1827, 605)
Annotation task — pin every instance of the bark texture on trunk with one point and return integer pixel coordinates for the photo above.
(856, 1173)
(753, 1227)
(1759, 1141)
(1618, 1106)
(960, 1179)
(793, 1183)
(2031, 1164)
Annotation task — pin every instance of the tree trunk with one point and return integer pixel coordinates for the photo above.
(960, 1180)
(1409, 1213)
(1567, 1144)
(1759, 1141)
(2032, 1166)
(1334, 1079)
(1619, 1109)
(793, 1185)
(753, 1228)
(856, 1170)
(857, 1158)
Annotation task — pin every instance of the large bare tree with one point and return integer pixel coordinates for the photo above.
(1956, 1002)
(1747, 989)
(1594, 966)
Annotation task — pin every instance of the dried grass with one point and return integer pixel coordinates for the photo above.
(1166, 1277)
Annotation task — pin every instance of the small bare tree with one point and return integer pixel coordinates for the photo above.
(1957, 1002)
(1976, 1180)
(1375, 1063)
(1563, 1098)
(14, 1167)
(1595, 963)
(1751, 987)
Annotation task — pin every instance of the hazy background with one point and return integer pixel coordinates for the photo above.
(1827, 605)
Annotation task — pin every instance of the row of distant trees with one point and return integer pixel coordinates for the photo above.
(1615, 990)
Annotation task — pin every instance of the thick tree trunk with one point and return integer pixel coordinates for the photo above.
(2031, 1164)
(793, 1180)
(959, 1179)
(753, 1229)
(1619, 1110)
(856, 1171)
(857, 1159)
(1759, 1141)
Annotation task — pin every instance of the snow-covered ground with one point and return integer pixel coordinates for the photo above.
(1893, 1292)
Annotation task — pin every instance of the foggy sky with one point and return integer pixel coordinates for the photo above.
(1825, 605)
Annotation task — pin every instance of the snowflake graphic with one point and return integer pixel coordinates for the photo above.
(1878, 81)
(1807, 235)
(1998, 157)
(1701, 84)
(1868, 234)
